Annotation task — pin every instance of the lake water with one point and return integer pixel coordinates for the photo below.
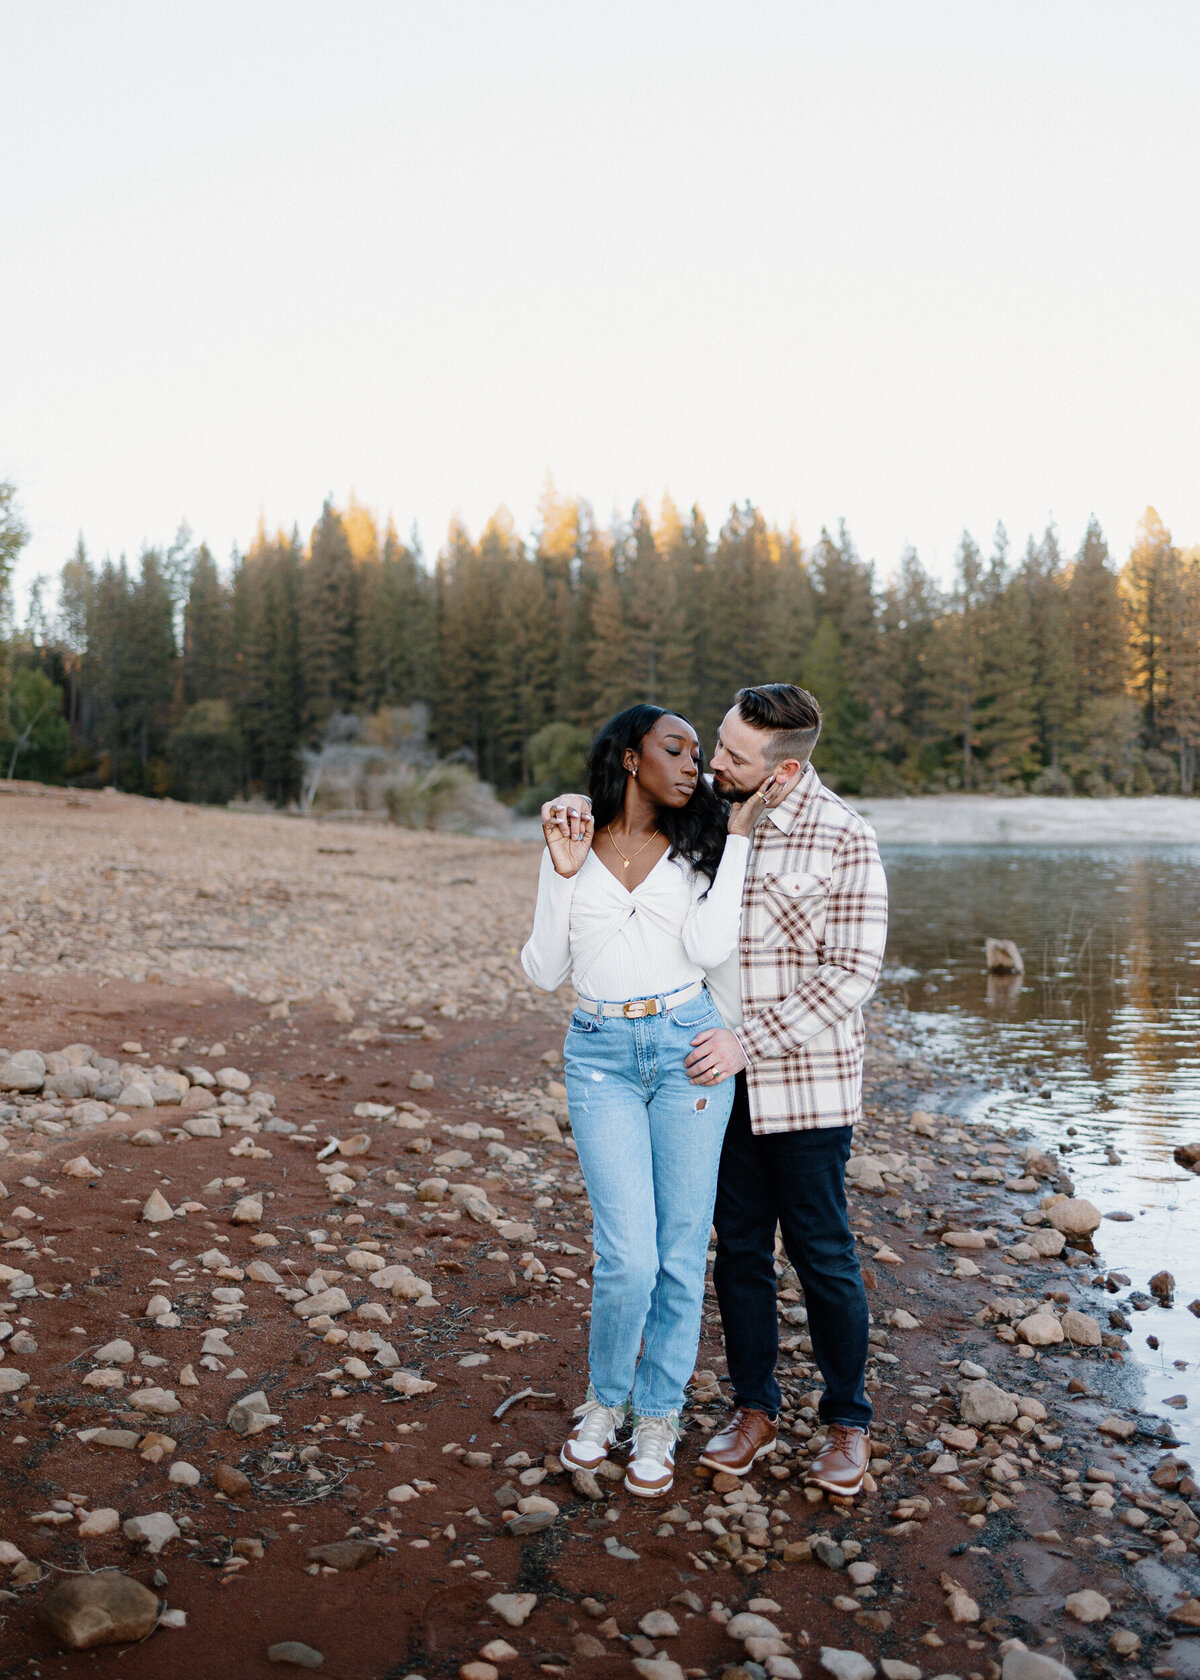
(1096, 1049)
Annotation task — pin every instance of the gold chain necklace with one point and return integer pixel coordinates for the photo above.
(626, 861)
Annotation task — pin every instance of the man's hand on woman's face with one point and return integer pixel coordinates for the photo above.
(717, 1056)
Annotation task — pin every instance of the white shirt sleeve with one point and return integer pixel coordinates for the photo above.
(546, 957)
(710, 931)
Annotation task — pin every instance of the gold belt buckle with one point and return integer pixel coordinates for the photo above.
(639, 1007)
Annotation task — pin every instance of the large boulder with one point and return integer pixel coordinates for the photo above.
(1074, 1216)
(1040, 1329)
(1081, 1329)
(26, 1071)
(981, 1403)
(1046, 1245)
(102, 1609)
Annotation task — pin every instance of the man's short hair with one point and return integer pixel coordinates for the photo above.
(789, 714)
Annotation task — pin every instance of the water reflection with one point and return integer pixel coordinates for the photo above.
(1096, 1047)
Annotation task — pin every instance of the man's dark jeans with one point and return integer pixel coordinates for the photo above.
(797, 1179)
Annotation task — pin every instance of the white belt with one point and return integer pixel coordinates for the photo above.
(637, 1007)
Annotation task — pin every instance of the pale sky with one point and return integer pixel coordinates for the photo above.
(918, 264)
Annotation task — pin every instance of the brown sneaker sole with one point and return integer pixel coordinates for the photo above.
(839, 1491)
(738, 1469)
(643, 1492)
(569, 1463)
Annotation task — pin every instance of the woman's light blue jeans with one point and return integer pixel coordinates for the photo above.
(649, 1144)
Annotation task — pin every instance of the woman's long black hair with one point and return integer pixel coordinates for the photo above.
(696, 831)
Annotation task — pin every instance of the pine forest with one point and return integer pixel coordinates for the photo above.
(1044, 669)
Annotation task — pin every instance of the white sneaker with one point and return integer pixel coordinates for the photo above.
(652, 1457)
(588, 1443)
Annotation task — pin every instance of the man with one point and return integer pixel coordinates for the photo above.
(814, 925)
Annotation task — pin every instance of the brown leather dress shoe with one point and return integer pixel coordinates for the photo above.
(745, 1438)
(842, 1462)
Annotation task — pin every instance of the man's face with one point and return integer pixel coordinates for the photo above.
(739, 764)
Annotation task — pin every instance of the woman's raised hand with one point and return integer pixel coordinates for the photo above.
(569, 833)
(744, 818)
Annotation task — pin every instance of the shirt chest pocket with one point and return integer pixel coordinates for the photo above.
(796, 904)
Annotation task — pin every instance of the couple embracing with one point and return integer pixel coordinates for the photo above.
(722, 940)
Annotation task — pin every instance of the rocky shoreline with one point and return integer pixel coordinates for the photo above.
(293, 1295)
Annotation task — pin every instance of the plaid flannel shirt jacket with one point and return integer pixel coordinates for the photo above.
(814, 926)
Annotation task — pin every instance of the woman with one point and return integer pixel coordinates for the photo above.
(636, 910)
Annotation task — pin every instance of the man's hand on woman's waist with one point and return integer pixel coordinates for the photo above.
(717, 1056)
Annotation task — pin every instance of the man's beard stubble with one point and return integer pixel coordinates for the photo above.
(730, 791)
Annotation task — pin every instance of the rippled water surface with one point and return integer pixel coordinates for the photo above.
(1095, 1049)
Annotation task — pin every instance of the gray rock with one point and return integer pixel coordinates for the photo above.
(828, 1552)
(135, 1096)
(982, 1402)
(203, 1126)
(513, 1608)
(103, 1609)
(1032, 1665)
(659, 1624)
(26, 1071)
(332, 1301)
(1081, 1329)
(124, 1440)
(72, 1086)
(846, 1665)
(1040, 1329)
(153, 1531)
(343, 1555)
(119, 1352)
(658, 1668)
(295, 1652)
(162, 1402)
(530, 1522)
(586, 1486)
(251, 1414)
(748, 1625)
(1074, 1216)
(1088, 1606)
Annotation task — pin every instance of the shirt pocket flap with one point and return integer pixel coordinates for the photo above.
(798, 885)
(796, 905)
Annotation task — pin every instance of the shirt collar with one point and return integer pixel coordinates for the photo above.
(783, 815)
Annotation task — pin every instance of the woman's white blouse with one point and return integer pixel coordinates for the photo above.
(616, 944)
